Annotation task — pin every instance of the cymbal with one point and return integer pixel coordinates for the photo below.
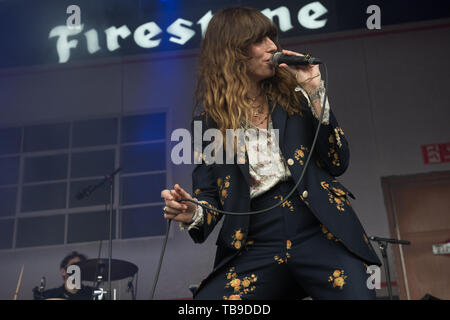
(120, 269)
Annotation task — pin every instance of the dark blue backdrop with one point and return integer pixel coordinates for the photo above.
(25, 24)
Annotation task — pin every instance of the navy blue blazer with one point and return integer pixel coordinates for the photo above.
(226, 186)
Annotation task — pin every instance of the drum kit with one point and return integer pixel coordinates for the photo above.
(96, 271)
(101, 270)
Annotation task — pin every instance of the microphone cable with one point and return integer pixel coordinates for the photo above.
(163, 249)
(313, 144)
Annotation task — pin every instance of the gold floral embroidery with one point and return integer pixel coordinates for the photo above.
(233, 297)
(196, 192)
(282, 260)
(341, 192)
(338, 132)
(299, 154)
(286, 203)
(210, 214)
(328, 234)
(331, 139)
(336, 196)
(339, 129)
(333, 155)
(199, 156)
(338, 279)
(240, 286)
(338, 191)
(288, 244)
(223, 186)
(238, 238)
(336, 139)
(324, 185)
(287, 255)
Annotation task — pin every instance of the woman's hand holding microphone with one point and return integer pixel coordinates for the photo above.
(309, 78)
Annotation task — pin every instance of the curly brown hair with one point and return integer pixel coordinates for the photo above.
(223, 83)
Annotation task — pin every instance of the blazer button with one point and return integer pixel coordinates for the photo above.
(290, 162)
(305, 194)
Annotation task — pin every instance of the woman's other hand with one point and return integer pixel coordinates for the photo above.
(178, 211)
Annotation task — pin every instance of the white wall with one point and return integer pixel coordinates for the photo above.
(389, 93)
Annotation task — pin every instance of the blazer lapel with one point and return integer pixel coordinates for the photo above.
(279, 118)
(244, 168)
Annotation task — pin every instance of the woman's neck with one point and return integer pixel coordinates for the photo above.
(254, 90)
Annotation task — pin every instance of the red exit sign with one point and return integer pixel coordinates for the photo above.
(436, 153)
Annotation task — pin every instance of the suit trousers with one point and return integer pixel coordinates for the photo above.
(288, 254)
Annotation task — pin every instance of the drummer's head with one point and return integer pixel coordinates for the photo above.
(71, 258)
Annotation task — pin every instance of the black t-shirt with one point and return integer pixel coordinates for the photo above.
(85, 293)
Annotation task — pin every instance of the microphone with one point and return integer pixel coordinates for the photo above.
(279, 58)
(38, 292)
(86, 192)
(390, 240)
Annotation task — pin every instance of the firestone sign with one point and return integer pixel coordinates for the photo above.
(181, 31)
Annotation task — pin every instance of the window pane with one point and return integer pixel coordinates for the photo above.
(46, 137)
(6, 233)
(99, 196)
(10, 139)
(94, 133)
(8, 201)
(40, 231)
(90, 226)
(44, 197)
(46, 168)
(143, 189)
(9, 170)
(93, 163)
(144, 127)
(148, 157)
(142, 222)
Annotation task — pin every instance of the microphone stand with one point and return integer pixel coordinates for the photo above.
(382, 244)
(86, 193)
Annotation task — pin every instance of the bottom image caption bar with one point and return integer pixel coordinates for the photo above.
(213, 310)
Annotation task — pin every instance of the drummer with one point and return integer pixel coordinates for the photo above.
(63, 292)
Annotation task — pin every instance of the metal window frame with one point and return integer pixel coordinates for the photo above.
(68, 179)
